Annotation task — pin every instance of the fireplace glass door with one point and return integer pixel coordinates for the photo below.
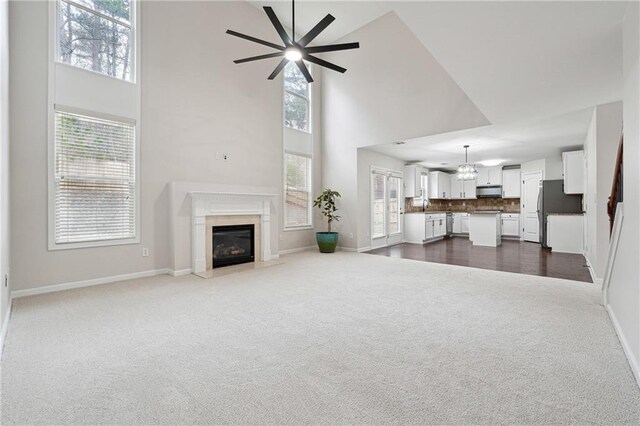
(233, 245)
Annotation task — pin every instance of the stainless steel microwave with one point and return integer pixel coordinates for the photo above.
(489, 191)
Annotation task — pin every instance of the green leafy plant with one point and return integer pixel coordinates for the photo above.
(326, 202)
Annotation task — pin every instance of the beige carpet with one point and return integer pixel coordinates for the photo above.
(343, 338)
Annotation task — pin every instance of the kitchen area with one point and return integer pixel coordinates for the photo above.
(493, 204)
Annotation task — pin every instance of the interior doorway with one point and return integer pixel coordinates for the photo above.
(386, 206)
(530, 211)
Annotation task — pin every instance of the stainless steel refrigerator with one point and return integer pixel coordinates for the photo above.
(552, 199)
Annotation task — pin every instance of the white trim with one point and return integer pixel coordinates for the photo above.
(179, 272)
(5, 326)
(295, 250)
(613, 251)
(363, 249)
(275, 256)
(88, 283)
(592, 272)
(633, 363)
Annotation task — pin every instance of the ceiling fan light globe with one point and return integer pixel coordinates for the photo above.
(293, 54)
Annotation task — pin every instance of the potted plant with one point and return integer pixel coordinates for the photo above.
(326, 202)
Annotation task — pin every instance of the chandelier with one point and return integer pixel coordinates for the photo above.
(467, 171)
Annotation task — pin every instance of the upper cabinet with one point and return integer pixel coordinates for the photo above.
(413, 180)
(439, 185)
(511, 183)
(462, 189)
(573, 166)
(489, 176)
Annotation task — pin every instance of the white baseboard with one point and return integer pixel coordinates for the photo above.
(275, 256)
(296, 250)
(5, 326)
(363, 249)
(87, 283)
(633, 363)
(351, 249)
(594, 278)
(179, 272)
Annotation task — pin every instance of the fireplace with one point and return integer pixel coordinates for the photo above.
(232, 245)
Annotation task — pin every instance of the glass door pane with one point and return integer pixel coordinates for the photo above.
(378, 184)
(395, 184)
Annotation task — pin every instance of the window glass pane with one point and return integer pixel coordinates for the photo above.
(91, 42)
(394, 204)
(377, 221)
(119, 9)
(294, 81)
(297, 190)
(94, 179)
(296, 112)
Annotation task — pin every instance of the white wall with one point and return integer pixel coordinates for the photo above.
(195, 102)
(624, 290)
(367, 159)
(386, 95)
(601, 147)
(4, 161)
(533, 166)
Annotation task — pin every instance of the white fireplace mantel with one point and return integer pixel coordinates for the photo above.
(205, 204)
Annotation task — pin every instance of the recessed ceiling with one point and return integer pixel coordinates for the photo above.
(506, 144)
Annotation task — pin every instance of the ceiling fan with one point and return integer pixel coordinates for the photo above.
(294, 50)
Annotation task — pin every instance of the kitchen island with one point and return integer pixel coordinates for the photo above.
(485, 228)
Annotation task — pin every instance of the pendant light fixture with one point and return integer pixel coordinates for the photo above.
(467, 171)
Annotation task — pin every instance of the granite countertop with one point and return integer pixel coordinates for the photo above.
(428, 212)
(486, 212)
(566, 214)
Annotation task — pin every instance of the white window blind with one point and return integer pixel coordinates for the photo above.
(95, 179)
(297, 206)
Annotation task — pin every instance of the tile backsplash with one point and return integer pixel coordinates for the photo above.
(507, 205)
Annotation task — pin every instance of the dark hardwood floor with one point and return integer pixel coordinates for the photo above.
(511, 256)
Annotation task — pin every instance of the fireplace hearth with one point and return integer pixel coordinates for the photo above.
(232, 245)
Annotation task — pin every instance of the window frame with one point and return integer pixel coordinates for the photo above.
(52, 244)
(306, 99)
(309, 225)
(132, 25)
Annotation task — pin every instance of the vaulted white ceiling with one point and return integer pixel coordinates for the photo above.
(518, 61)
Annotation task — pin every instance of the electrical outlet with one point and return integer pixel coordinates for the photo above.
(225, 157)
(6, 280)
(145, 252)
(218, 156)
(351, 235)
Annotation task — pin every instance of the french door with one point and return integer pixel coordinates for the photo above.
(387, 203)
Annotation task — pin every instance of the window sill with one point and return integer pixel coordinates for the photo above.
(90, 244)
(96, 73)
(306, 132)
(298, 228)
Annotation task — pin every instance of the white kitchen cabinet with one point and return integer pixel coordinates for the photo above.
(457, 187)
(413, 180)
(489, 176)
(565, 233)
(510, 225)
(440, 227)
(439, 185)
(573, 171)
(429, 231)
(461, 223)
(457, 223)
(414, 228)
(511, 183)
(462, 189)
(469, 189)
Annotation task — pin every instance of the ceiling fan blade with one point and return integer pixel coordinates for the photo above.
(278, 26)
(255, 40)
(303, 69)
(257, 58)
(279, 68)
(332, 47)
(324, 63)
(313, 33)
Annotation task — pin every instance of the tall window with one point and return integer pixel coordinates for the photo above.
(94, 179)
(297, 191)
(298, 150)
(96, 35)
(296, 99)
